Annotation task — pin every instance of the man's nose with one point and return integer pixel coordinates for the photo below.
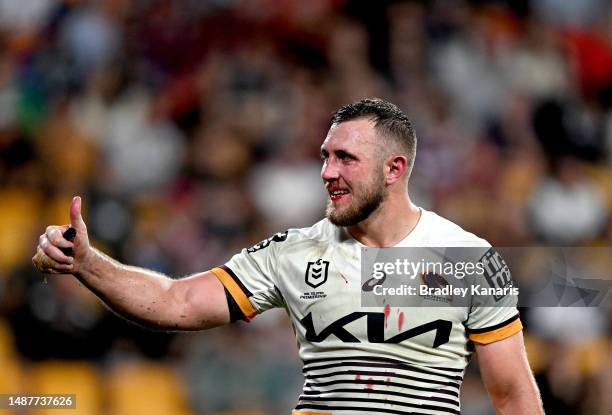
(329, 171)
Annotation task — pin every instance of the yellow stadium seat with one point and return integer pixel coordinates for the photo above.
(67, 377)
(18, 222)
(145, 388)
(11, 381)
(11, 374)
(592, 357)
(6, 341)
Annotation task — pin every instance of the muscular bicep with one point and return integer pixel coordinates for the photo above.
(205, 304)
(505, 370)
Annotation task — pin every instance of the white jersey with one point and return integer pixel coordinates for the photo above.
(349, 363)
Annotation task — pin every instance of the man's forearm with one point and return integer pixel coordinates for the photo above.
(507, 377)
(137, 294)
(524, 399)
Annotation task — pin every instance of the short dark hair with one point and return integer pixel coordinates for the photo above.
(387, 118)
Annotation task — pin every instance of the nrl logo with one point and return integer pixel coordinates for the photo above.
(316, 273)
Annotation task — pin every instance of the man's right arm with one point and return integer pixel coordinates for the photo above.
(144, 296)
(154, 300)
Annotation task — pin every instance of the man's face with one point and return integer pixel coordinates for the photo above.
(352, 172)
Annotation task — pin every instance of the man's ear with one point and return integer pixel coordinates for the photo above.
(396, 167)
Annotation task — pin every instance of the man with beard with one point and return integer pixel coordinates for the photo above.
(356, 360)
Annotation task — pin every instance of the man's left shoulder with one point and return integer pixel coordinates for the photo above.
(448, 233)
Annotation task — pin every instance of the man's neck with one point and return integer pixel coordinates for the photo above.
(389, 224)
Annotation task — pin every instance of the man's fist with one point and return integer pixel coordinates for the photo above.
(58, 255)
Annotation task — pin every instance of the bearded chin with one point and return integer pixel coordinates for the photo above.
(356, 212)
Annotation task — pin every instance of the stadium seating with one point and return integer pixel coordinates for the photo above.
(66, 377)
(145, 388)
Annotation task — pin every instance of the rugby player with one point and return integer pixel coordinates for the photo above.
(356, 360)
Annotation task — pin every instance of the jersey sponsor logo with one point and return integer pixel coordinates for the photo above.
(496, 272)
(375, 329)
(277, 237)
(433, 280)
(316, 273)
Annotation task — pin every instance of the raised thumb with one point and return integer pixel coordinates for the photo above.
(76, 220)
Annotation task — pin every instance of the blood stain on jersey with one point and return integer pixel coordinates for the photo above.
(400, 321)
(370, 385)
(387, 312)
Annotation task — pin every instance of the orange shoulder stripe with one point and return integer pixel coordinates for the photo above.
(236, 292)
(497, 334)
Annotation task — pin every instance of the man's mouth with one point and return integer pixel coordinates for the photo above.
(336, 195)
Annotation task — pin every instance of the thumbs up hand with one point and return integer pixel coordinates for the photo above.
(56, 254)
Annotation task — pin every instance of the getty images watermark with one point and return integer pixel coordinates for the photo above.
(486, 276)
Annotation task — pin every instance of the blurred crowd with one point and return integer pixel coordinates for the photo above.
(192, 130)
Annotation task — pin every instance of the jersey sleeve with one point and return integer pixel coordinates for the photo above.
(494, 317)
(250, 277)
(490, 331)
